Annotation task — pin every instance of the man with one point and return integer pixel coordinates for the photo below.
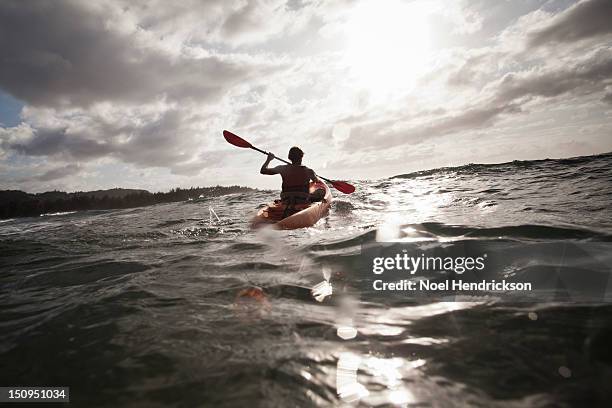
(296, 178)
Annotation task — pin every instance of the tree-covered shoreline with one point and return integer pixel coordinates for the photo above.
(16, 203)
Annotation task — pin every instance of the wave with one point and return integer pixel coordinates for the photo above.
(527, 231)
(57, 213)
(472, 168)
(432, 231)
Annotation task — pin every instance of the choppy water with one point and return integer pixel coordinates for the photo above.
(146, 307)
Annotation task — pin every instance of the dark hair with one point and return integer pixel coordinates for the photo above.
(295, 154)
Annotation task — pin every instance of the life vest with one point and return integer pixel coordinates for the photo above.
(296, 184)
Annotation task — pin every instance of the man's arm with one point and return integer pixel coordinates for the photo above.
(265, 169)
(313, 176)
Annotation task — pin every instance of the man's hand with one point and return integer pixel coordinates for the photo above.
(264, 167)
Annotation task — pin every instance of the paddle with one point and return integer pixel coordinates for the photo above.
(237, 141)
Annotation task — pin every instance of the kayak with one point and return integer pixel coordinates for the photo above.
(307, 215)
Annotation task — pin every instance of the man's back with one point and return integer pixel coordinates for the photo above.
(295, 175)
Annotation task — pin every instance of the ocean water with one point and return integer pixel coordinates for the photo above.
(183, 305)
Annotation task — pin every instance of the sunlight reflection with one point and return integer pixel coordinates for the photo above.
(382, 330)
(384, 371)
(400, 397)
(424, 341)
(321, 290)
(437, 308)
(347, 386)
(409, 204)
(346, 332)
(389, 230)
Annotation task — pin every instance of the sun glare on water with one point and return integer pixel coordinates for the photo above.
(388, 44)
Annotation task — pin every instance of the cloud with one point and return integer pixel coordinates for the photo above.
(167, 138)
(103, 80)
(67, 53)
(505, 96)
(251, 22)
(203, 161)
(388, 135)
(587, 75)
(230, 23)
(59, 172)
(473, 68)
(48, 142)
(586, 19)
(468, 20)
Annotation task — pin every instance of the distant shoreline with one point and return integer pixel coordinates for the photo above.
(17, 203)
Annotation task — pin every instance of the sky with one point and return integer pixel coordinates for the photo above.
(136, 94)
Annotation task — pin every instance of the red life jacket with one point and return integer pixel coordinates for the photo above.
(296, 182)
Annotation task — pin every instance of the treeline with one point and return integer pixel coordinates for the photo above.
(15, 203)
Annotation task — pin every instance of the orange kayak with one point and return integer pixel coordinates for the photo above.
(307, 215)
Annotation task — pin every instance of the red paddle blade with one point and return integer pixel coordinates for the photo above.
(343, 186)
(235, 140)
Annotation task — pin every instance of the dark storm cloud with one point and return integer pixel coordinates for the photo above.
(584, 20)
(58, 52)
(49, 142)
(60, 172)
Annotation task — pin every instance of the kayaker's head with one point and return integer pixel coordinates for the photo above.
(295, 155)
